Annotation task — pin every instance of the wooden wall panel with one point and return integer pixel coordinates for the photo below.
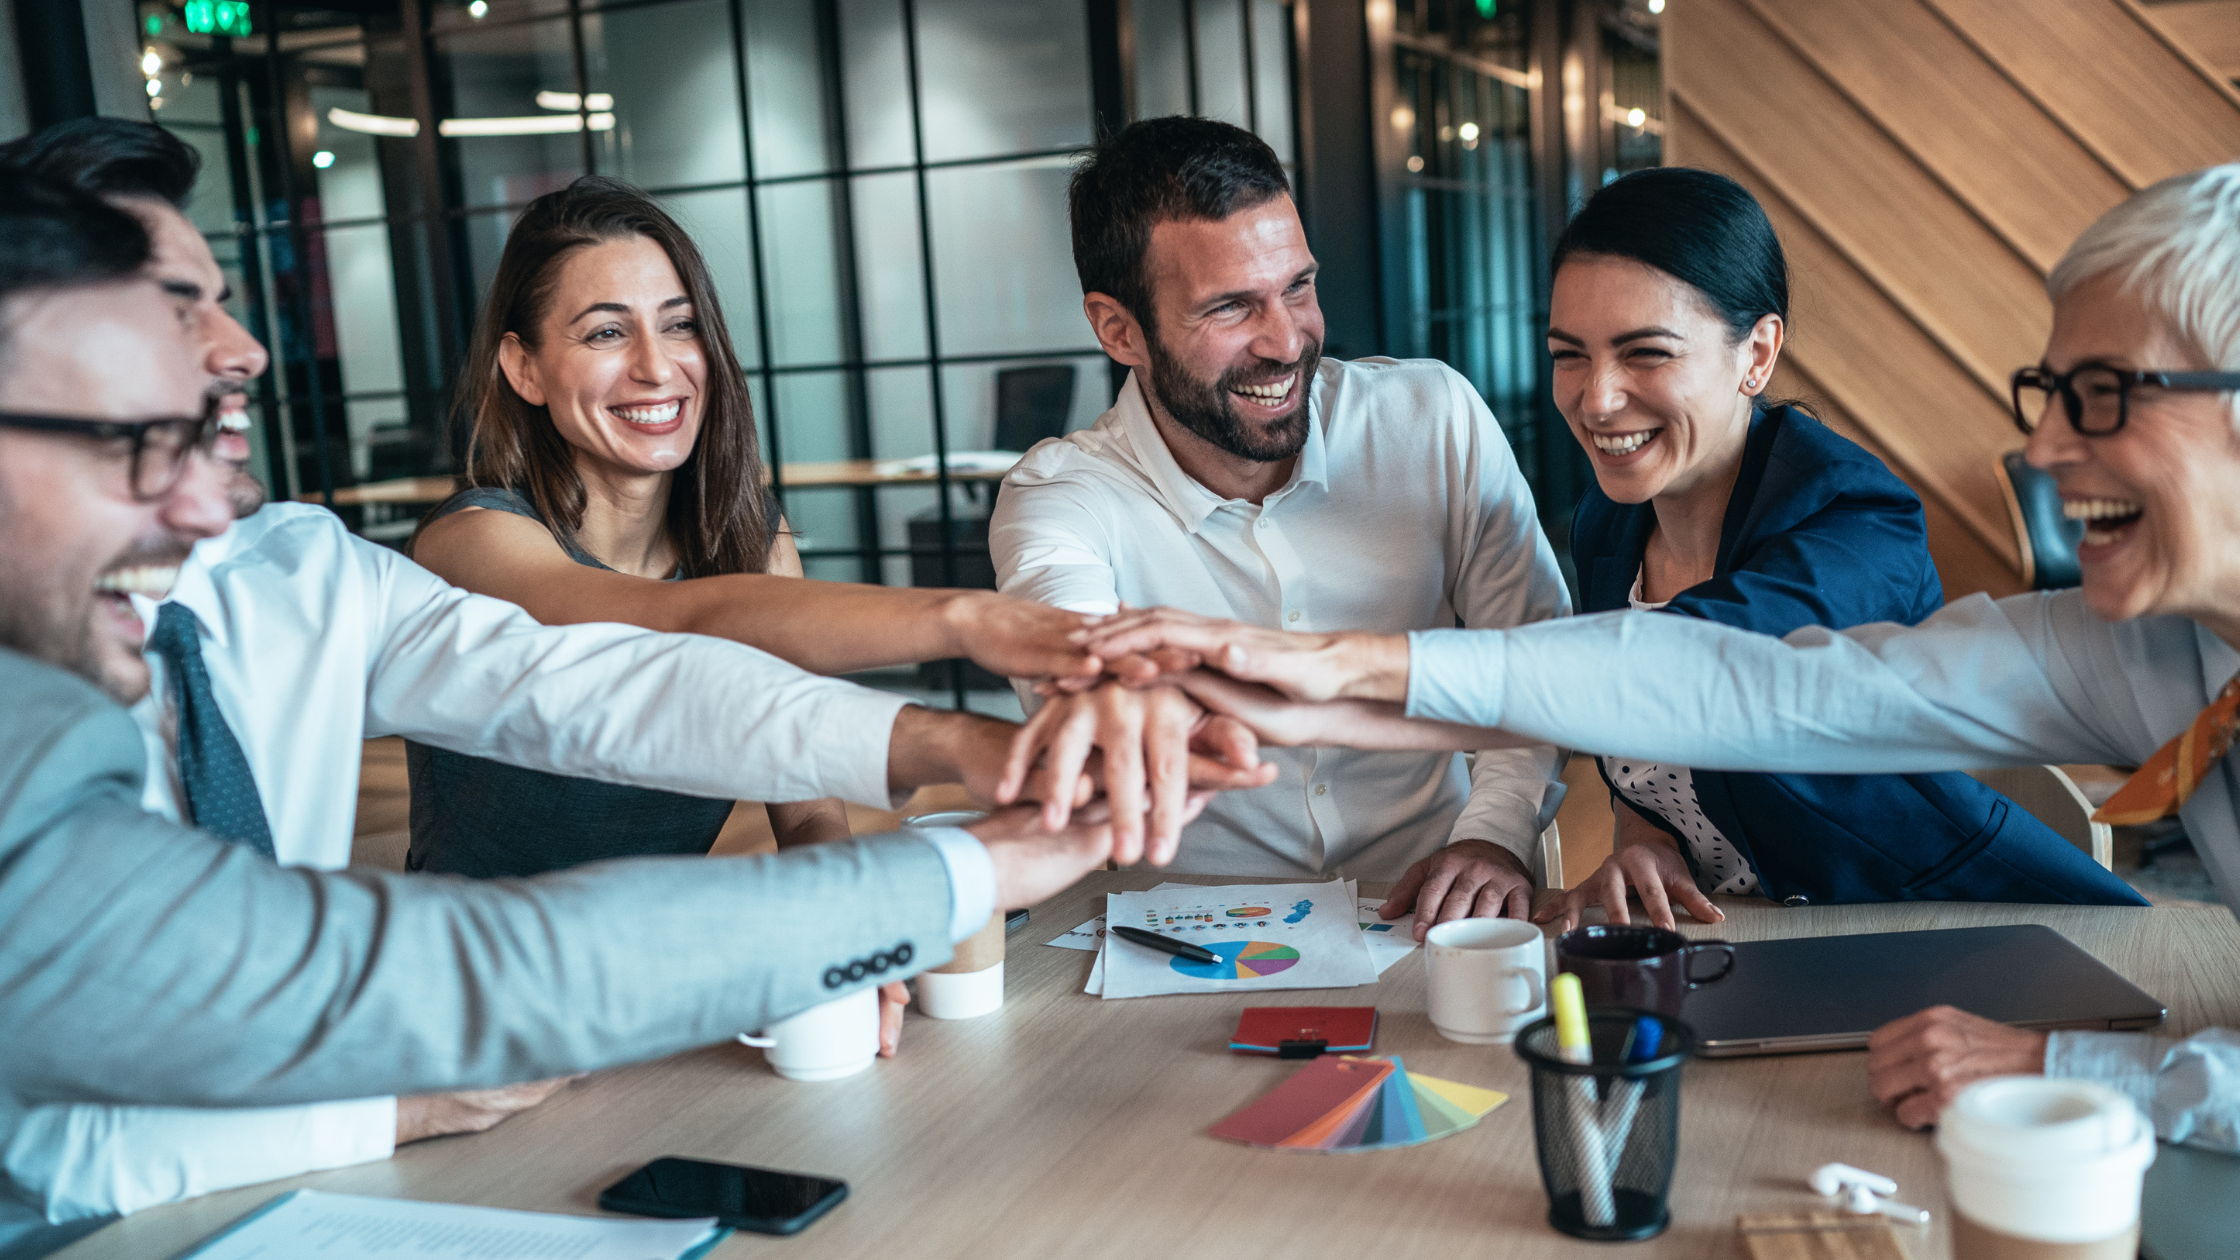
(1926, 162)
(1968, 124)
(1931, 419)
(2113, 79)
(2209, 29)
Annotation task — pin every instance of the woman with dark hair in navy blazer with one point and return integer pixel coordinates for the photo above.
(1669, 307)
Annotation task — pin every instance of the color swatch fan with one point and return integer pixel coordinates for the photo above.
(1342, 1103)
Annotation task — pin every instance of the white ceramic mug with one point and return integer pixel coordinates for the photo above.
(1488, 978)
(2044, 1169)
(824, 1043)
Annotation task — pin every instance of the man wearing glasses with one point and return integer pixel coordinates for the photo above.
(147, 964)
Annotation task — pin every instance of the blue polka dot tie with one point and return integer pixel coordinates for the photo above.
(221, 793)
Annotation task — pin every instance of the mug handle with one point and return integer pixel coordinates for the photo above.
(757, 1040)
(1707, 947)
(1536, 986)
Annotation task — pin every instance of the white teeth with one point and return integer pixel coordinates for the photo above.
(152, 580)
(662, 414)
(1623, 444)
(2100, 509)
(1274, 392)
(234, 420)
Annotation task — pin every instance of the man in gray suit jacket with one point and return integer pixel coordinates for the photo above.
(141, 962)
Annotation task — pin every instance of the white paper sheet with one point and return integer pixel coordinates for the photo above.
(1269, 936)
(1389, 940)
(1089, 936)
(313, 1223)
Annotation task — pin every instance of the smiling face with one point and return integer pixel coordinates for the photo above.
(181, 263)
(74, 541)
(1649, 379)
(1238, 331)
(2163, 525)
(618, 361)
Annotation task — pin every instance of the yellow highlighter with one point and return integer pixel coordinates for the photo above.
(1572, 1042)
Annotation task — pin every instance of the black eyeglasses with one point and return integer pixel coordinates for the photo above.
(157, 448)
(2096, 397)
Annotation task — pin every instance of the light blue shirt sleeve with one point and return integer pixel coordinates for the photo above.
(972, 878)
(1968, 688)
(2190, 1088)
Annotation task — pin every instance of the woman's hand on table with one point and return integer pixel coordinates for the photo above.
(1916, 1065)
(1150, 750)
(1469, 879)
(1142, 645)
(1650, 863)
(469, 1110)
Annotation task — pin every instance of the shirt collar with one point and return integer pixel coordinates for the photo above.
(2219, 662)
(194, 588)
(1186, 496)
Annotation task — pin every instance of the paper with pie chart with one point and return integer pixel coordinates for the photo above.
(1266, 936)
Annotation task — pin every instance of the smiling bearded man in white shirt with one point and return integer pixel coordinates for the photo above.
(1242, 475)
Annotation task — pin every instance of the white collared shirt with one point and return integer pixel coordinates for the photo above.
(1406, 511)
(316, 640)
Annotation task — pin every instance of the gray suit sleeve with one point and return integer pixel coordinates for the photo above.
(141, 962)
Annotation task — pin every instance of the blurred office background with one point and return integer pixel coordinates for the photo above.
(879, 186)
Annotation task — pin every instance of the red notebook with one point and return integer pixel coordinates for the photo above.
(1341, 1029)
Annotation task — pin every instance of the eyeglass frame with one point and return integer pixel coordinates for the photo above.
(2058, 384)
(201, 432)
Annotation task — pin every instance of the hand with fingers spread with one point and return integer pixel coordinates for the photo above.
(1148, 749)
(1917, 1065)
(1469, 879)
(1647, 860)
(1150, 642)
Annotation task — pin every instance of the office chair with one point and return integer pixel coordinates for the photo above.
(2047, 541)
(1032, 403)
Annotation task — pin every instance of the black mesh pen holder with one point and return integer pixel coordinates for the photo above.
(1608, 1132)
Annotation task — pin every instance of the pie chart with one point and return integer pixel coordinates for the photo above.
(1240, 960)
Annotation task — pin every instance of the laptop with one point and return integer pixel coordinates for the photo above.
(1832, 992)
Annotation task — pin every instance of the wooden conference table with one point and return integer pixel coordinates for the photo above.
(1070, 1126)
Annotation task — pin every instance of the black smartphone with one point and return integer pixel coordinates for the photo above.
(762, 1200)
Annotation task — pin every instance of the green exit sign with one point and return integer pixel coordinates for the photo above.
(217, 17)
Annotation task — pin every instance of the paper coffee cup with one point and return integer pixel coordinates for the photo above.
(2044, 1169)
(970, 984)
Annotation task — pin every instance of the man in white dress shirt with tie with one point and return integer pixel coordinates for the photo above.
(1242, 475)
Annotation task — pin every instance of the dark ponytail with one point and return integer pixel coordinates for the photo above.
(1696, 226)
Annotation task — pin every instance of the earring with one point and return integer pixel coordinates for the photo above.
(1751, 382)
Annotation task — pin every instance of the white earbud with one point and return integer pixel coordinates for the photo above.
(1830, 1180)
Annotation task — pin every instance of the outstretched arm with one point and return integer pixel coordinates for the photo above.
(824, 627)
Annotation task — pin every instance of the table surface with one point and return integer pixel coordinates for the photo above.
(1066, 1125)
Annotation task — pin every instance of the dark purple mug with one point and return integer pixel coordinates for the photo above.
(1644, 967)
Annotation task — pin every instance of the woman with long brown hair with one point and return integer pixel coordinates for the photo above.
(614, 475)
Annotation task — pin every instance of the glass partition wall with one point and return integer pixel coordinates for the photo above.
(878, 186)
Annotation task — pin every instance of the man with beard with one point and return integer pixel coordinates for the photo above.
(145, 963)
(1242, 475)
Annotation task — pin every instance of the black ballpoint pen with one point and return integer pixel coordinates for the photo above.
(1167, 944)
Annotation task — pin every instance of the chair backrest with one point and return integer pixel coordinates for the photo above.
(2052, 798)
(1032, 403)
(2048, 541)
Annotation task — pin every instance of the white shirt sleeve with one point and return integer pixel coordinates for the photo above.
(1972, 686)
(1509, 577)
(1045, 539)
(2190, 1088)
(78, 1161)
(680, 712)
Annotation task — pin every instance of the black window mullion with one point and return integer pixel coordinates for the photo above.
(775, 458)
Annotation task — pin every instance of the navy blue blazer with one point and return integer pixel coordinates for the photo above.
(1819, 532)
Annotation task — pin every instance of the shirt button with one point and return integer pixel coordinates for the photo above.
(1262, 523)
(1294, 615)
(1320, 788)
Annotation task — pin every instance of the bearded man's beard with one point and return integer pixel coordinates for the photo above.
(1207, 409)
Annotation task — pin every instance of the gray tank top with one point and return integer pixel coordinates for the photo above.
(473, 816)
